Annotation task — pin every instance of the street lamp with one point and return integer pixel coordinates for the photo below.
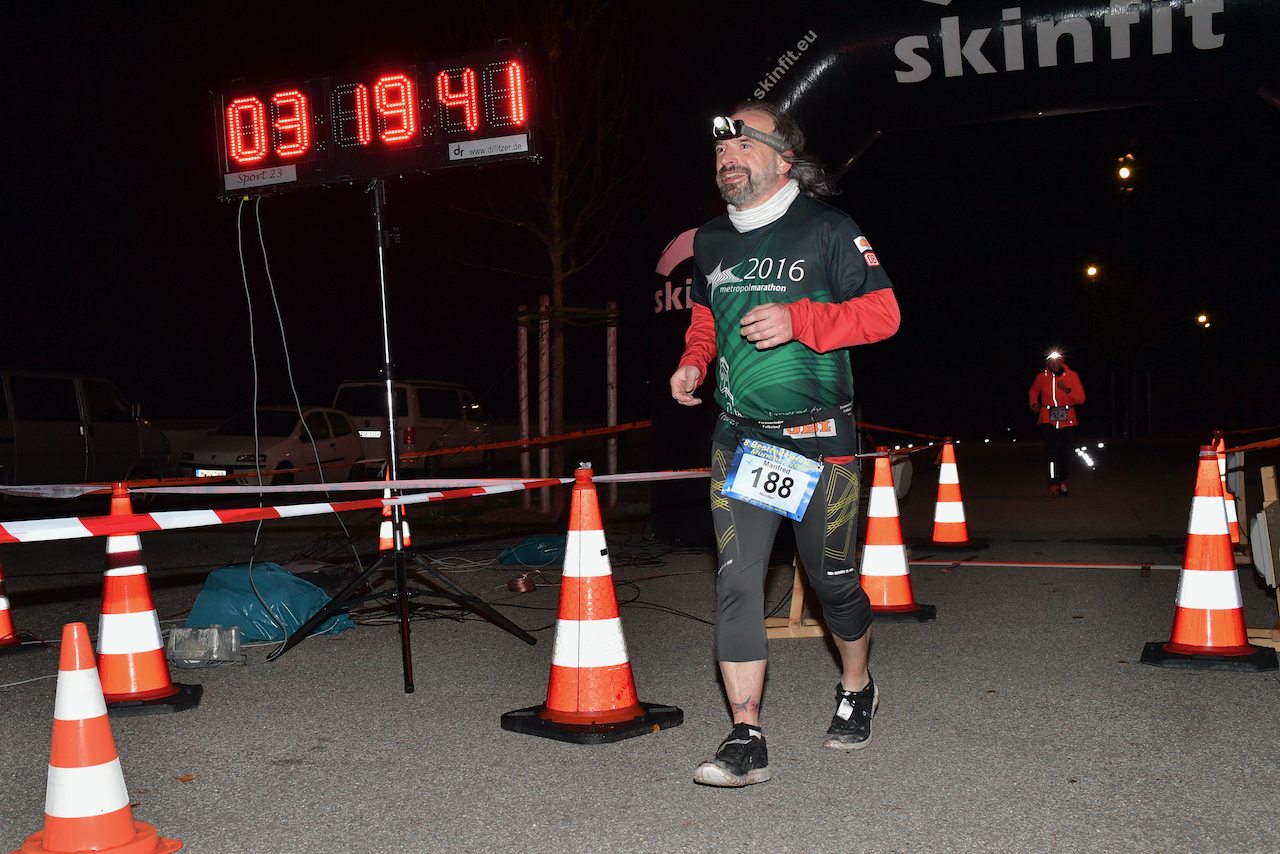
(1125, 171)
(1091, 271)
(1203, 320)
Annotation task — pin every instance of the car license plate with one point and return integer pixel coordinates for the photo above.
(370, 434)
(211, 472)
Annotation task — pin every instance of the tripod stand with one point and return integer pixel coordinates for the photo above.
(400, 557)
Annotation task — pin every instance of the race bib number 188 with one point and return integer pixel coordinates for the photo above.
(773, 478)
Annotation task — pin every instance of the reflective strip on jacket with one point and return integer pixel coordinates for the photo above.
(1048, 390)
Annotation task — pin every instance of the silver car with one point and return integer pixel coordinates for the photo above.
(429, 414)
(286, 449)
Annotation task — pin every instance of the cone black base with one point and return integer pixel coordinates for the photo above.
(530, 722)
(188, 697)
(920, 614)
(26, 643)
(1262, 659)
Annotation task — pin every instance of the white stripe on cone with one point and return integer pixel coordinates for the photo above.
(884, 560)
(384, 530)
(948, 512)
(589, 643)
(1208, 516)
(1214, 590)
(948, 474)
(124, 634)
(136, 569)
(586, 554)
(883, 502)
(79, 696)
(85, 792)
(117, 543)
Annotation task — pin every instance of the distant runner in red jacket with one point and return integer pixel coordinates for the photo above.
(1055, 393)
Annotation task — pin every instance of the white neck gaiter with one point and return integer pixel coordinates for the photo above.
(770, 211)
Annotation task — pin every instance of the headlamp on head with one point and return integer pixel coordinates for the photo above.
(1054, 355)
(723, 127)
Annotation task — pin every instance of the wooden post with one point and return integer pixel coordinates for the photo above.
(1271, 508)
(544, 397)
(522, 391)
(611, 394)
(794, 625)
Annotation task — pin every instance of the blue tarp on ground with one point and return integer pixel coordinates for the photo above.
(228, 598)
(535, 551)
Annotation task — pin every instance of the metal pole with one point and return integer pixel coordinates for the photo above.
(522, 391)
(1235, 485)
(544, 396)
(379, 189)
(611, 381)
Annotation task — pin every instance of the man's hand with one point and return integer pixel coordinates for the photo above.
(683, 382)
(767, 325)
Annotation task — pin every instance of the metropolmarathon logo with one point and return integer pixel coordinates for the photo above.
(1114, 29)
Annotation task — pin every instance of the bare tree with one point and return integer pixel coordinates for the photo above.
(586, 75)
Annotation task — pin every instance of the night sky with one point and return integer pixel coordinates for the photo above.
(119, 259)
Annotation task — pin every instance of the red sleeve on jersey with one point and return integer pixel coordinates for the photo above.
(700, 340)
(826, 326)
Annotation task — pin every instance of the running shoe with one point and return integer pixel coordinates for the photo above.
(741, 760)
(851, 726)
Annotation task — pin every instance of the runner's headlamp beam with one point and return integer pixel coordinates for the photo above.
(723, 127)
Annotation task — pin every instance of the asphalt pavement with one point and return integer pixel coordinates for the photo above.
(1020, 721)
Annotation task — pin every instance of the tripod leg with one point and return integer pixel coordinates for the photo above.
(335, 605)
(402, 593)
(474, 602)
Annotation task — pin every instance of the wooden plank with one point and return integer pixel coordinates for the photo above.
(816, 630)
(1265, 637)
(795, 625)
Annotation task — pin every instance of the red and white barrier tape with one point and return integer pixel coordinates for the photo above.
(866, 426)
(54, 490)
(80, 527)
(1033, 565)
(353, 486)
(61, 491)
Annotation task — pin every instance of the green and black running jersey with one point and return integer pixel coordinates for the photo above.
(812, 252)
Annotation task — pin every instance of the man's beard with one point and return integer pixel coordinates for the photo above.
(752, 191)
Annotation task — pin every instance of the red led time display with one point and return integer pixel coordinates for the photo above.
(343, 127)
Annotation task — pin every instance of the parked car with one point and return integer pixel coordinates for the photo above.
(59, 427)
(429, 414)
(285, 444)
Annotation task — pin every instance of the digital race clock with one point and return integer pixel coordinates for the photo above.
(344, 127)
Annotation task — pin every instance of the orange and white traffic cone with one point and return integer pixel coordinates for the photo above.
(131, 660)
(591, 695)
(949, 527)
(12, 640)
(1208, 626)
(386, 542)
(885, 576)
(86, 805)
(1233, 520)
